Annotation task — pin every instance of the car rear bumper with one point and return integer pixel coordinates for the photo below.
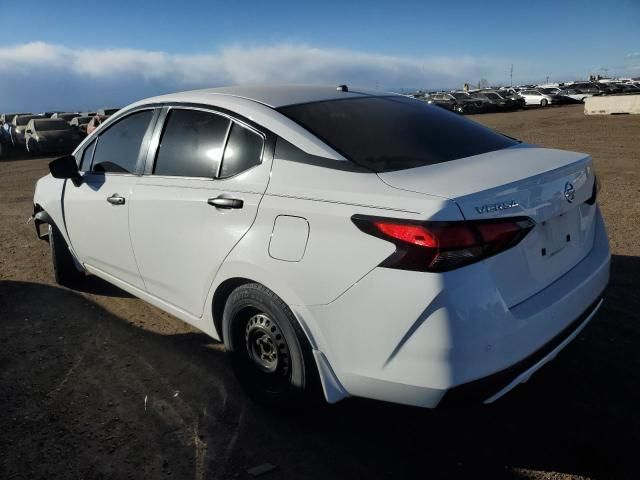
(491, 388)
(430, 339)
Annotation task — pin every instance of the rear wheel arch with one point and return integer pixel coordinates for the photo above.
(250, 305)
(220, 299)
(226, 288)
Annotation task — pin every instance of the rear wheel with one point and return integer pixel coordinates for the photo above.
(64, 267)
(270, 353)
(543, 102)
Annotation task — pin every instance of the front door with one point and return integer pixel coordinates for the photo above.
(97, 211)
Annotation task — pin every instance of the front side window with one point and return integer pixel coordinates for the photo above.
(243, 151)
(191, 144)
(118, 147)
(393, 132)
(87, 155)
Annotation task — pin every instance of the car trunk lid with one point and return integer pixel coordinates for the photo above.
(548, 186)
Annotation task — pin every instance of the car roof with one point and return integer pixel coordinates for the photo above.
(274, 96)
(257, 103)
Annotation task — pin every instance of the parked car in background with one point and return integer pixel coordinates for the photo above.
(106, 111)
(443, 100)
(67, 117)
(586, 87)
(80, 123)
(576, 96)
(499, 104)
(50, 135)
(95, 122)
(462, 265)
(6, 120)
(456, 102)
(536, 97)
(513, 96)
(8, 117)
(555, 92)
(18, 127)
(483, 104)
(626, 88)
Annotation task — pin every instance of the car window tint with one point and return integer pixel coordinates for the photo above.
(392, 132)
(243, 151)
(191, 144)
(87, 154)
(118, 147)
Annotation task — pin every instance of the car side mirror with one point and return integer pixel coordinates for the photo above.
(65, 167)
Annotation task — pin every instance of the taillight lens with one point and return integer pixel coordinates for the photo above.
(443, 246)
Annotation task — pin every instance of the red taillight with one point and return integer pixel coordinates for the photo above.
(416, 234)
(442, 246)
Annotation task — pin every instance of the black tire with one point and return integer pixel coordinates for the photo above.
(255, 319)
(64, 267)
(543, 102)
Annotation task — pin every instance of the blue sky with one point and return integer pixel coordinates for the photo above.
(81, 54)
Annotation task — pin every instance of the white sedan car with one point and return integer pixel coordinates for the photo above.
(577, 95)
(536, 97)
(363, 243)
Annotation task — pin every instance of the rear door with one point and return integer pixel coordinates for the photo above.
(97, 211)
(198, 197)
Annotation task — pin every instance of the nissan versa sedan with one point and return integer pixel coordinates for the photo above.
(341, 241)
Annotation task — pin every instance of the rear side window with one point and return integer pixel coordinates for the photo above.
(191, 144)
(393, 132)
(243, 151)
(118, 147)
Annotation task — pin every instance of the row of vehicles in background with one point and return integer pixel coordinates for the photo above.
(48, 132)
(513, 98)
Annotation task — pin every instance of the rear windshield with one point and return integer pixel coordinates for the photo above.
(48, 125)
(20, 121)
(394, 133)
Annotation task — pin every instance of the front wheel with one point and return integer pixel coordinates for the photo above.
(270, 353)
(543, 102)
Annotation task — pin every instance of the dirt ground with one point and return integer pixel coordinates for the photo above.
(96, 384)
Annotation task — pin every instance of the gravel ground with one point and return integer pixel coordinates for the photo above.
(96, 384)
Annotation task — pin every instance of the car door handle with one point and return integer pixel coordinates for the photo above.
(115, 199)
(224, 202)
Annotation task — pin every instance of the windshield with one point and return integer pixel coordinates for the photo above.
(460, 96)
(393, 133)
(49, 125)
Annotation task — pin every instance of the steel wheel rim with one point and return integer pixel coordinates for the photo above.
(266, 346)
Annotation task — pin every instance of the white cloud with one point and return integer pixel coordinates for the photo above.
(633, 55)
(91, 76)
